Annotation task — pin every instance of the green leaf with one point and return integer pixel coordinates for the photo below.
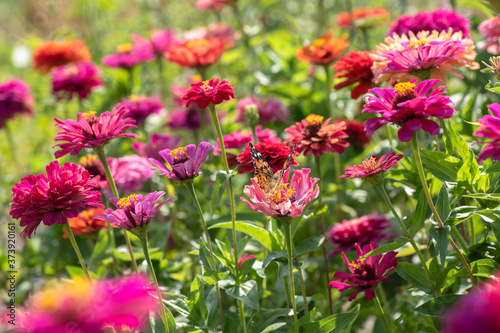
(320, 209)
(415, 275)
(272, 257)
(76, 272)
(481, 267)
(481, 6)
(196, 302)
(210, 276)
(487, 196)
(495, 167)
(417, 219)
(331, 324)
(437, 306)
(265, 237)
(248, 293)
(388, 247)
(441, 238)
(100, 247)
(218, 190)
(443, 203)
(310, 244)
(459, 144)
(443, 166)
(460, 214)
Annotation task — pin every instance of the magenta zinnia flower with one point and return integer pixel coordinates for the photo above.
(269, 109)
(409, 108)
(78, 78)
(373, 168)
(130, 172)
(362, 230)
(90, 130)
(289, 200)
(185, 162)
(490, 31)
(209, 92)
(141, 107)
(158, 142)
(15, 98)
(53, 198)
(130, 55)
(185, 119)
(160, 41)
(490, 128)
(366, 272)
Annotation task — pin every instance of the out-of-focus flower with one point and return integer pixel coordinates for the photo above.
(92, 164)
(86, 223)
(494, 66)
(15, 98)
(355, 67)
(289, 200)
(313, 135)
(490, 128)
(275, 153)
(198, 54)
(362, 231)
(490, 32)
(184, 119)
(158, 142)
(244, 258)
(76, 78)
(57, 53)
(365, 272)
(270, 109)
(438, 20)
(185, 162)
(129, 172)
(160, 40)
(356, 134)
(216, 5)
(323, 51)
(373, 168)
(140, 107)
(91, 131)
(408, 106)
(217, 30)
(209, 92)
(53, 198)
(363, 17)
(89, 307)
(130, 55)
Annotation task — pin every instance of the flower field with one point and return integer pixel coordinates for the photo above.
(250, 166)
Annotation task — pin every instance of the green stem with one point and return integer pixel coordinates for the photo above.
(254, 132)
(301, 278)
(12, 147)
(420, 167)
(192, 192)
(288, 237)
(340, 186)
(448, 143)
(287, 291)
(366, 38)
(77, 249)
(327, 86)
(389, 137)
(387, 325)
(459, 237)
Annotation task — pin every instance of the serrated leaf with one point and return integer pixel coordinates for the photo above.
(247, 292)
(265, 237)
(415, 275)
(437, 306)
(331, 324)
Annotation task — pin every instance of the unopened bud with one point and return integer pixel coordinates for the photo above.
(252, 115)
(494, 66)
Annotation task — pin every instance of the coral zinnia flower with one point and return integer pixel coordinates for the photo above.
(198, 54)
(356, 134)
(289, 200)
(86, 223)
(57, 53)
(490, 32)
(90, 130)
(269, 109)
(216, 30)
(158, 142)
(15, 98)
(313, 135)
(130, 172)
(355, 67)
(363, 17)
(90, 307)
(323, 51)
(76, 78)
(490, 128)
(185, 162)
(209, 92)
(275, 153)
(53, 198)
(362, 230)
(216, 5)
(366, 272)
(140, 107)
(373, 168)
(130, 55)
(408, 107)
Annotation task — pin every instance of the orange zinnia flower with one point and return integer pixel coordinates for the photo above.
(323, 51)
(86, 223)
(364, 17)
(198, 53)
(57, 53)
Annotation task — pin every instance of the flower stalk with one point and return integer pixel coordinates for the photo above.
(387, 325)
(328, 80)
(288, 239)
(77, 249)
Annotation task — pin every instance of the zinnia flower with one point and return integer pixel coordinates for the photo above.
(216, 5)
(363, 17)
(53, 198)
(355, 67)
(323, 51)
(130, 55)
(185, 162)
(90, 130)
(490, 32)
(94, 167)
(216, 30)
(313, 135)
(184, 119)
(86, 223)
(77, 78)
(57, 53)
(244, 258)
(289, 200)
(362, 231)
(160, 40)
(198, 54)
(373, 168)
(90, 307)
(409, 107)
(438, 20)
(15, 98)
(130, 172)
(365, 272)
(140, 107)
(209, 92)
(269, 109)
(356, 134)
(158, 142)
(490, 128)
(275, 153)
(134, 212)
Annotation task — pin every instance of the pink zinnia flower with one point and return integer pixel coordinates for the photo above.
(90, 307)
(158, 142)
(185, 119)
(185, 162)
(289, 200)
(362, 231)
(365, 272)
(130, 55)
(244, 258)
(490, 31)
(141, 107)
(215, 5)
(275, 153)
(15, 98)
(217, 30)
(490, 128)
(90, 130)
(269, 109)
(53, 198)
(130, 172)
(409, 108)
(160, 41)
(77, 78)
(209, 92)
(373, 168)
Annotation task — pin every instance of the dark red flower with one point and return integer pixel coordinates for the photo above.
(355, 67)
(211, 91)
(79, 78)
(141, 107)
(15, 98)
(275, 153)
(356, 134)
(57, 53)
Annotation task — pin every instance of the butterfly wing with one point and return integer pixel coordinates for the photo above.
(278, 176)
(263, 172)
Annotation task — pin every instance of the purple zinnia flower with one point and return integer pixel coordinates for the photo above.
(373, 168)
(140, 107)
(185, 162)
(130, 55)
(76, 78)
(490, 128)
(158, 142)
(269, 109)
(408, 107)
(15, 97)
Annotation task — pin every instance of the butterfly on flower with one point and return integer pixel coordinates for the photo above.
(268, 181)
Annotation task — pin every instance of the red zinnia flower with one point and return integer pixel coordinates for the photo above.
(355, 67)
(356, 134)
(363, 17)
(366, 272)
(198, 53)
(275, 153)
(90, 131)
(211, 91)
(373, 169)
(53, 198)
(57, 53)
(323, 51)
(86, 223)
(313, 135)
(15, 98)
(77, 78)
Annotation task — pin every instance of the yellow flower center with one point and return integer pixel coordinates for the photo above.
(124, 48)
(417, 44)
(137, 98)
(78, 292)
(89, 115)
(127, 201)
(314, 119)
(282, 194)
(180, 155)
(205, 86)
(196, 78)
(319, 42)
(404, 87)
(370, 164)
(70, 70)
(89, 159)
(196, 43)
(358, 264)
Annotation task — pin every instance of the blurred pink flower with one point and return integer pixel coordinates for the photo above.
(216, 5)
(160, 41)
(158, 142)
(270, 109)
(141, 107)
(78, 78)
(15, 98)
(216, 30)
(490, 128)
(129, 173)
(130, 55)
(490, 32)
(373, 168)
(244, 258)
(94, 167)
(185, 119)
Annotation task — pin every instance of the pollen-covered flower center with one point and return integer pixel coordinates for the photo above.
(127, 202)
(88, 160)
(124, 48)
(282, 194)
(319, 42)
(404, 92)
(180, 155)
(90, 116)
(417, 44)
(314, 123)
(196, 43)
(365, 271)
(370, 164)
